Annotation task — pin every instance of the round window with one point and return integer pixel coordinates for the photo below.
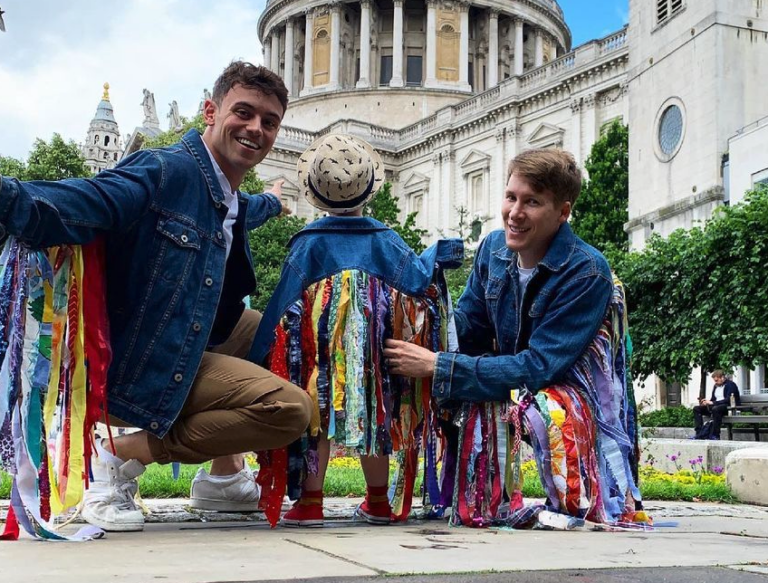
(670, 130)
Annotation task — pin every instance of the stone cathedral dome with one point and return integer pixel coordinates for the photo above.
(394, 62)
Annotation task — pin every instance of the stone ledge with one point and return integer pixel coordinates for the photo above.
(746, 473)
(714, 452)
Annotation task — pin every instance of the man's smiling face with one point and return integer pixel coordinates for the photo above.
(242, 129)
(531, 220)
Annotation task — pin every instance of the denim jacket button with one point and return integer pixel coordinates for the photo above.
(219, 236)
(217, 205)
(196, 326)
(184, 239)
(208, 281)
(178, 377)
(154, 425)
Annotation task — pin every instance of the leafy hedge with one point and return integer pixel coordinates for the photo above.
(667, 417)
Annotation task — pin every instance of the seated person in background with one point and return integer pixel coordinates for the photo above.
(348, 283)
(716, 406)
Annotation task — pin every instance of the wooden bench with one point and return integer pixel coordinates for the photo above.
(757, 404)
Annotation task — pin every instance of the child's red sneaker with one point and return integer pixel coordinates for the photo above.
(306, 512)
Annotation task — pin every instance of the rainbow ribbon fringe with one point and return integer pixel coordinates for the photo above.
(584, 438)
(330, 343)
(54, 356)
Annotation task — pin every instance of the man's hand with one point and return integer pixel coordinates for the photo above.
(277, 190)
(409, 360)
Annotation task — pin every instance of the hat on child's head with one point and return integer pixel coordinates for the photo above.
(340, 173)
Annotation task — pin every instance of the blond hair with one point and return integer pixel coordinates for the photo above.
(553, 170)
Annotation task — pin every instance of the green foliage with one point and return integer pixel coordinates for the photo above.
(54, 161)
(667, 417)
(602, 209)
(172, 136)
(12, 167)
(384, 207)
(457, 278)
(269, 246)
(698, 297)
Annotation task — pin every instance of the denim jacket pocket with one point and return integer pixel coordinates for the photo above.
(178, 246)
(540, 303)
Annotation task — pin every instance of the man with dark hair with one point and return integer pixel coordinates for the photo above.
(178, 265)
(716, 406)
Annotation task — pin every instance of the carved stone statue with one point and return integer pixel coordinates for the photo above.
(174, 119)
(206, 96)
(150, 111)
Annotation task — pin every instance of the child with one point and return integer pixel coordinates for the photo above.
(348, 283)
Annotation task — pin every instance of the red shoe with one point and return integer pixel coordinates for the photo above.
(379, 513)
(304, 515)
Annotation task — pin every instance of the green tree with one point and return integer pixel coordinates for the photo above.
(251, 184)
(384, 207)
(269, 246)
(697, 298)
(12, 167)
(602, 209)
(55, 160)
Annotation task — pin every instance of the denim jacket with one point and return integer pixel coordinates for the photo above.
(332, 244)
(507, 344)
(161, 212)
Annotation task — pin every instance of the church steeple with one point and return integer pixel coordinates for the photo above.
(102, 147)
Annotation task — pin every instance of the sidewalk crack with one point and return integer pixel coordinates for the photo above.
(335, 556)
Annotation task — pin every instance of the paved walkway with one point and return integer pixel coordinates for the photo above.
(184, 547)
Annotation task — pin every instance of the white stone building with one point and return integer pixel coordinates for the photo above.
(449, 91)
(102, 148)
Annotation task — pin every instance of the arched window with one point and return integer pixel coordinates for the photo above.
(115, 156)
(96, 139)
(106, 140)
(106, 155)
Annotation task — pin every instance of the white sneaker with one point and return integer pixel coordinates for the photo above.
(108, 503)
(236, 493)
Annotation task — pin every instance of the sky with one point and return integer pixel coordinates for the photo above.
(57, 54)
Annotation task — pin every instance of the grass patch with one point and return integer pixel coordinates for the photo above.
(345, 478)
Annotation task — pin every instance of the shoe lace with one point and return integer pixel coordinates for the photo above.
(119, 495)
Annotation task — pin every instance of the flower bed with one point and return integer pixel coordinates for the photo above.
(345, 478)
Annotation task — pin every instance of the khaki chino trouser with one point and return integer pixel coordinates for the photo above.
(234, 406)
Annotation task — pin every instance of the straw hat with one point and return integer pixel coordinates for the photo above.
(340, 173)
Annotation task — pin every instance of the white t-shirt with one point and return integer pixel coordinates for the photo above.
(524, 276)
(230, 199)
(719, 392)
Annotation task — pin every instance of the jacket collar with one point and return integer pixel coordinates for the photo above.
(559, 252)
(341, 225)
(194, 143)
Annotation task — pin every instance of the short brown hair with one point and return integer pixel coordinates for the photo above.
(553, 170)
(717, 373)
(250, 76)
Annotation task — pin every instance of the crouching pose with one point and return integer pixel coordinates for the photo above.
(350, 282)
(541, 316)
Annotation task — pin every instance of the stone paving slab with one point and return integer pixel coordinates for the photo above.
(201, 549)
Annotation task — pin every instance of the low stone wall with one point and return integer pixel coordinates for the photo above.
(687, 433)
(713, 452)
(746, 472)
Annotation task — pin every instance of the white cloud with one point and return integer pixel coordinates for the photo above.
(57, 57)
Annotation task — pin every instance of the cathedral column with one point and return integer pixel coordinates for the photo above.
(308, 42)
(493, 48)
(274, 63)
(397, 46)
(589, 124)
(267, 51)
(431, 80)
(464, 47)
(288, 75)
(518, 47)
(365, 45)
(335, 44)
(539, 49)
(576, 129)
